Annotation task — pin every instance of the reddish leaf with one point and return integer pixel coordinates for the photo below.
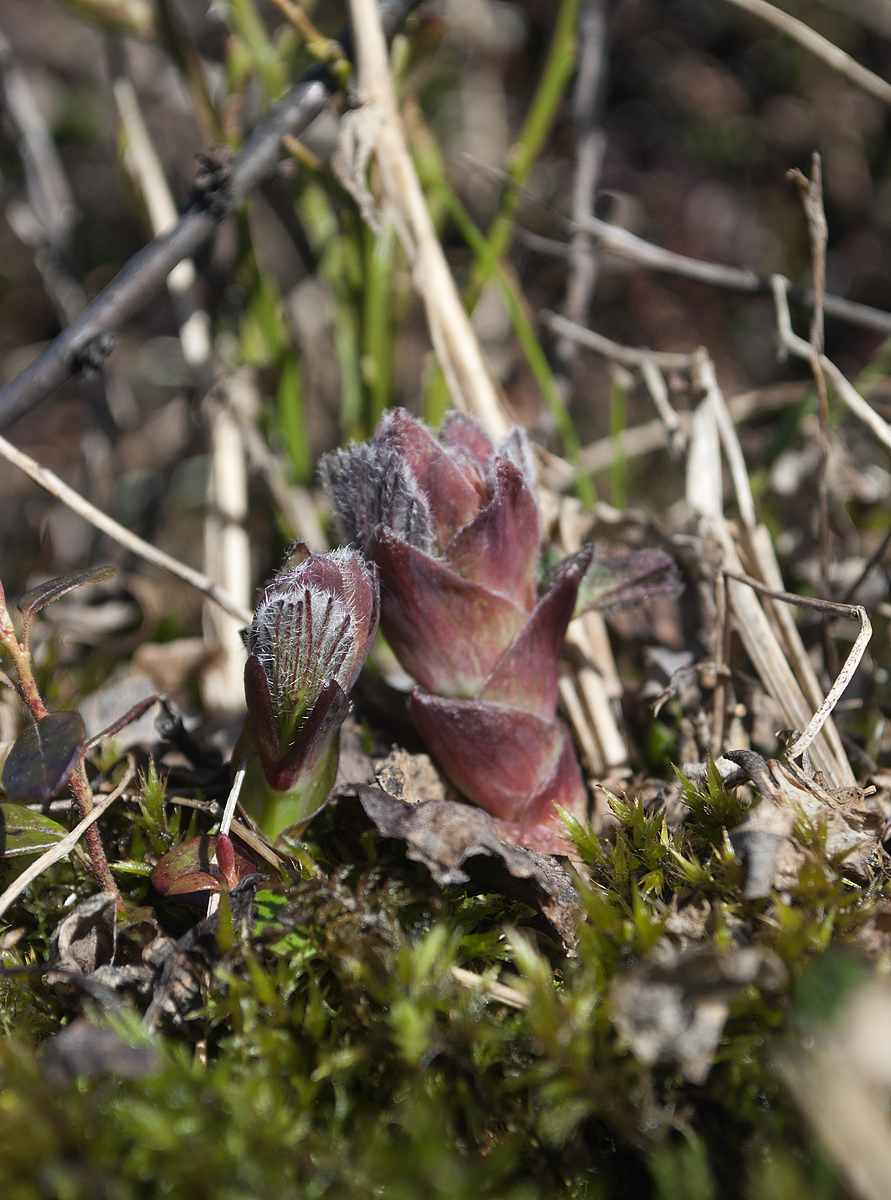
(447, 632)
(497, 756)
(187, 875)
(455, 492)
(461, 432)
(499, 548)
(54, 589)
(41, 757)
(526, 677)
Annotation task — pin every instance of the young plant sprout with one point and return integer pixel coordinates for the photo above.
(306, 645)
(453, 525)
(51, 750)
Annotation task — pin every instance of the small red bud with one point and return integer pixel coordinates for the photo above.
(226, 861)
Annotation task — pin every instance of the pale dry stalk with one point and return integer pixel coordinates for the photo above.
(378, 127)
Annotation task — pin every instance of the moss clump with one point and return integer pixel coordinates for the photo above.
(337, 1055)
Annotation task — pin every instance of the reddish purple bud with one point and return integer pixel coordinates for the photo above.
(453, 524)
(188, 873)
(306, 644)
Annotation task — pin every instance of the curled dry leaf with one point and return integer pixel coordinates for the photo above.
(460, 845)
(763, 842)
(84, 1050)
(673, 1008)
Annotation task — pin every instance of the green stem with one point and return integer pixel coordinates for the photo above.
(557, 73)
(523, 329)
(617, 425)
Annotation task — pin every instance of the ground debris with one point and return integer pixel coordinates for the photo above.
(851, 831)
(672, 1008)
(458, 844)
(84, 1050)
(91, 956)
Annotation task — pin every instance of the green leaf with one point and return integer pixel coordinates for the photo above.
(25, 832)
(54, 589)
(41, 758)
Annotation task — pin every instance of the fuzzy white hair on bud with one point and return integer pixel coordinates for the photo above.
(516, 448)
(303, 637)
(370, 485)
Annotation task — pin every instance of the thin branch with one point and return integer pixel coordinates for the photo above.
(50, 482)
(590, 143)
(63, 847)
(46, 184)
(811, 191)
(629, 356)
(845, 390)
(147, 271)
(871, 562)
(826, 607)
(652, 435)
(651, 363)
(631, 248)
(820, 46)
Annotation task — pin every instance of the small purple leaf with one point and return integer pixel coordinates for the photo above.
(312, 741)
(25, 832)
(41, 757)
(261, 713)
(54, 589)
(625, 579)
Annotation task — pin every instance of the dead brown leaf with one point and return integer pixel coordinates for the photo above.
(673, 1008)
(458, 844)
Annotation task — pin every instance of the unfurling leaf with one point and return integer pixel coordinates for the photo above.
(189, 874)
(41, 757)
(54, 589)
(306, 645)
(25, 832)
(620, 580)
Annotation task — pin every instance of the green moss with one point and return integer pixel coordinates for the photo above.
(337, 1055)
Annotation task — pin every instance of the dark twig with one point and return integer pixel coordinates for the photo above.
(873, 561)
(827, 607)
(147, 270)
